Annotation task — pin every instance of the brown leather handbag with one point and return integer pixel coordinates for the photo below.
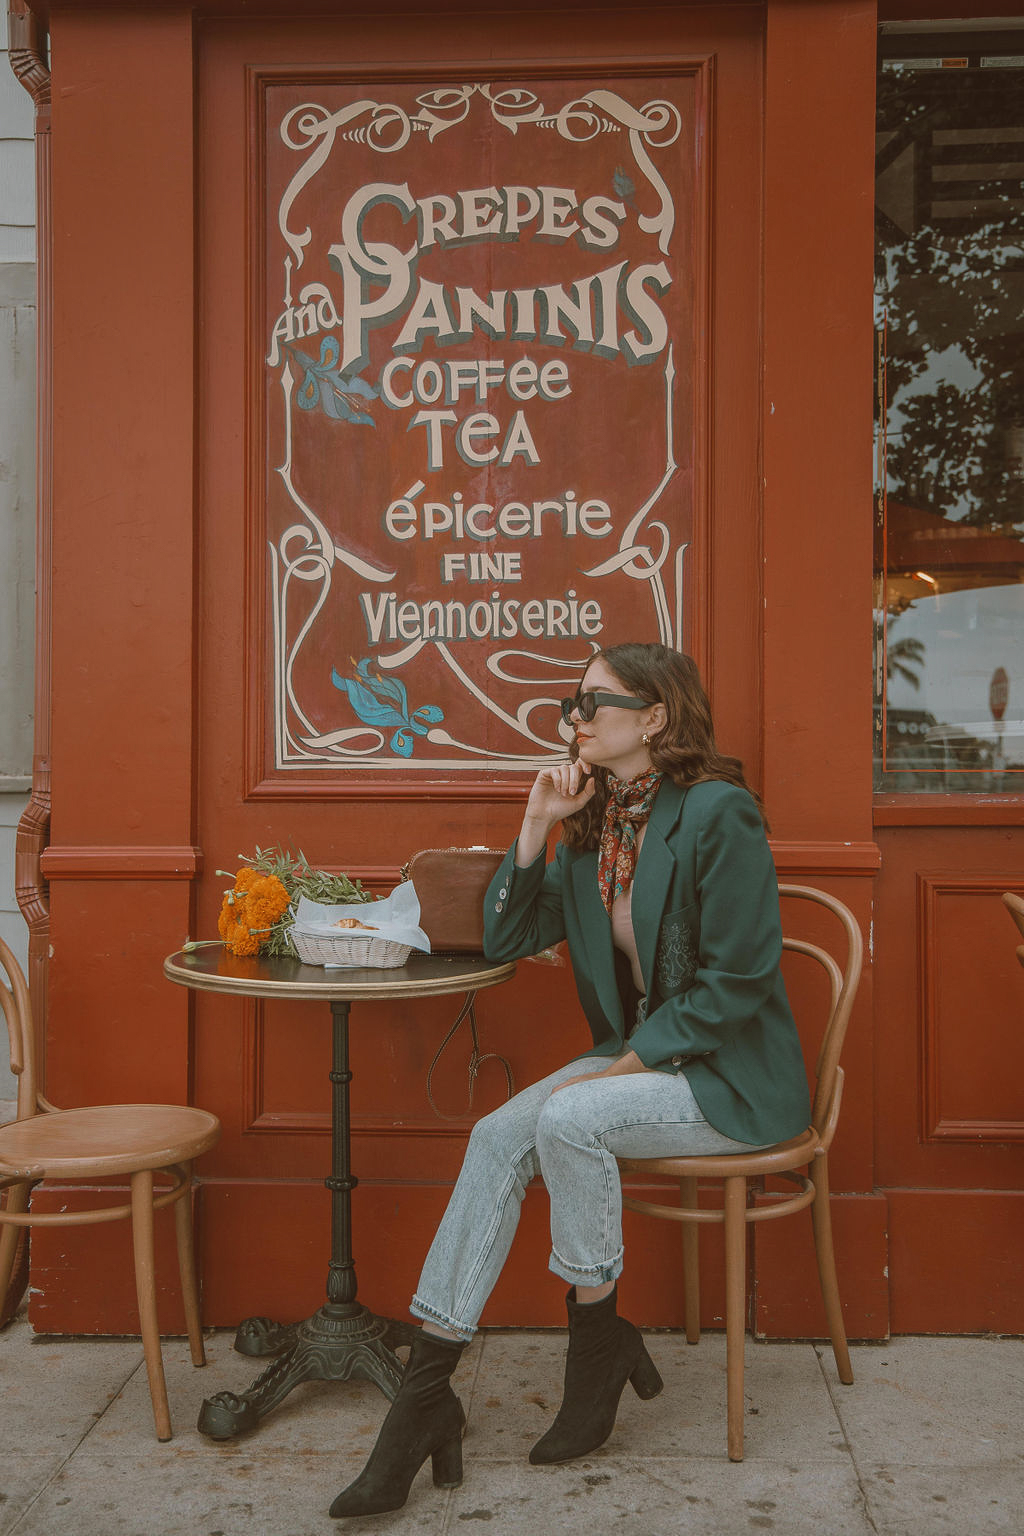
(451, 884)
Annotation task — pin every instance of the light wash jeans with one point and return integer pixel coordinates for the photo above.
(571, 1139)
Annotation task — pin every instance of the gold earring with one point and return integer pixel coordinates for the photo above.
(646, 739)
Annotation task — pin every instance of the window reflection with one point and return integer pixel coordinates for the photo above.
(949, 527)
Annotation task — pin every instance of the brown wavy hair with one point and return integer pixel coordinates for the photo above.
(684, 749)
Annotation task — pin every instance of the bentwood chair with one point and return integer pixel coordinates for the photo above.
(101, 1142)
(1015, 904)
(738, 1173)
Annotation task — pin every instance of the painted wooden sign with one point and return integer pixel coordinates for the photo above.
(480, 320)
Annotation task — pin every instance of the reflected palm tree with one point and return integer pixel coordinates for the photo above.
(904, 658)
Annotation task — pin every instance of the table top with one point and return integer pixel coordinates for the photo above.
(213, 969)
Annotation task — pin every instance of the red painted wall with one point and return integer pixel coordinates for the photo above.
(155, 634)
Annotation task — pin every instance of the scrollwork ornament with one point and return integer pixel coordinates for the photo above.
(513, 106)
(318, 127)
(443, 108)
(662, 114)
(578, 121)
(389, 128)
(309, 119)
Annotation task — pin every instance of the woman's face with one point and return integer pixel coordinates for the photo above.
(614, 738)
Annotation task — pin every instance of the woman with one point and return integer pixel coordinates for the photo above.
(663, 884)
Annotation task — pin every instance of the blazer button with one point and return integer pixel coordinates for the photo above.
(498, 905)
(677, 1061)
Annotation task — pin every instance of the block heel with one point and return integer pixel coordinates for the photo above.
(605, 1351)
(646, 1380)
(446, 1463)
(425, 1420)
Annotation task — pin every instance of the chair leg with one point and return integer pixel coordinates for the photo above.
(145, 1290)
(691, 1261)
(187, 1267)
(821, 1217)
(735, 1307)
(17, 1202)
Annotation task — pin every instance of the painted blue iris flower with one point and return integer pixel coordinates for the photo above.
(383, 702)
(324, 386)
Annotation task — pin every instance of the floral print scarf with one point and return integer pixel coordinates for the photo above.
(629, 806)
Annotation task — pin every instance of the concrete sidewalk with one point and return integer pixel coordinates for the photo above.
(929, 1440)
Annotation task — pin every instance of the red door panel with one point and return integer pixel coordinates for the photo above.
(264, 1068)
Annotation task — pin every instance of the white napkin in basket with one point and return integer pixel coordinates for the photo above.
(397, 917)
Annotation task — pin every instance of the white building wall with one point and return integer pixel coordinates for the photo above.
(17, 484)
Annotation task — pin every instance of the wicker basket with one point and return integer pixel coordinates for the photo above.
(355, 949)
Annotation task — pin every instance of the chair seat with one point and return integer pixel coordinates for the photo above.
(105, 1140)
(98, 1142)
(784, 1155)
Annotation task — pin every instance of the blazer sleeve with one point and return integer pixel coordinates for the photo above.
(740, 937)
(523, 907)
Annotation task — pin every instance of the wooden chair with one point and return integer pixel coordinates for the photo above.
(99, 1143)
(808, 1150)
(1015, 904)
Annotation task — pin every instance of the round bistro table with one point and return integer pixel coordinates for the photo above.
(343, 1339)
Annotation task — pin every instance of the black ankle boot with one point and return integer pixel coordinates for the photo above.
(425, 1419)
(605, 1351)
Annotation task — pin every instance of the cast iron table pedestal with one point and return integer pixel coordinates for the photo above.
(343, 1339)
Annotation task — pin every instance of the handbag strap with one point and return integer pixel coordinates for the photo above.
(476, 1060)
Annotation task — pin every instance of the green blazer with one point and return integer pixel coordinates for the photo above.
(706, 919)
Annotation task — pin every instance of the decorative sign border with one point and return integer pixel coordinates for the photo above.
(291, 766)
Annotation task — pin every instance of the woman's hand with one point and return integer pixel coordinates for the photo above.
(625, 1066)
(584, 1077)
(556, 793)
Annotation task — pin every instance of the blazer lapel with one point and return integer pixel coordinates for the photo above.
(596, 926)
(653, 879)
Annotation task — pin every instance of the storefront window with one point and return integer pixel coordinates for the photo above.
(949, 517)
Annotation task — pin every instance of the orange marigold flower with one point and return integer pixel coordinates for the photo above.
(271, 894)
(246, 943)
(250, 910)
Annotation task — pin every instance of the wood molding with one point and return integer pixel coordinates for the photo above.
(826, 858)
(948, 810)
(300, 787)
(378, 877)
(109, 862)
(314, 1123)
(937, 1127)
(977, 1131)
(113, 862)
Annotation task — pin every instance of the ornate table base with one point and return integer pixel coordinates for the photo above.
(341, 1342)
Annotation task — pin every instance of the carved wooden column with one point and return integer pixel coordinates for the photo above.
(28, 55)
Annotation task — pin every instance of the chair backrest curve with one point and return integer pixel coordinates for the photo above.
(843, 981)
(17, 1009)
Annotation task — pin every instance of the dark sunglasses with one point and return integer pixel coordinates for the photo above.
(586, 704)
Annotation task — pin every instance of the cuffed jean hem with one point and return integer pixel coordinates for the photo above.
(591, 1274)
(429, 1314)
